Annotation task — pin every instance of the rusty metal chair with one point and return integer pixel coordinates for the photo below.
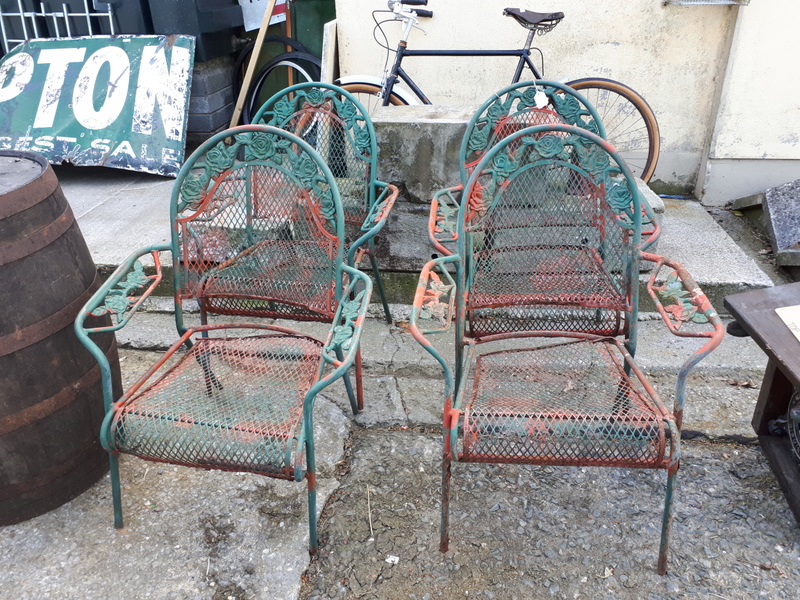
(335, 123)
(543, 293)
(511, 109)
(257, 230)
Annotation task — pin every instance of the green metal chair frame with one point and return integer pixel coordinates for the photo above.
(511, 109)
(338, 126)
(257, 231)
(543, 292)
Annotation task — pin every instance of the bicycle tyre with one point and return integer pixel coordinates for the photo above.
(244, 56)
(306, 67)
(367, 94)
(631, 126)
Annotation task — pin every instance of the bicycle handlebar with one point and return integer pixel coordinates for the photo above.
(415, 3)
(424, 13)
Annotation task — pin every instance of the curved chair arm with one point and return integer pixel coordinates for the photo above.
(651, 230)
(443, 220)
(341, 345)
(118, 297)
(434, 302)
(376, 219)
(685, 303)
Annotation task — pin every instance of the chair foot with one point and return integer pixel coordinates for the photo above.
(666, 524)
(444, 533)
(116, 490)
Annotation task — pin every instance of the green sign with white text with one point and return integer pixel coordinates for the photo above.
(114, 101)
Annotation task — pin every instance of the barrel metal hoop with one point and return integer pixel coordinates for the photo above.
(36, 332)
(47, 476)
(36, 240)
(48, 406)
(30, 194)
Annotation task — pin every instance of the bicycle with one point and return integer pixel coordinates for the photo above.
(630, 123)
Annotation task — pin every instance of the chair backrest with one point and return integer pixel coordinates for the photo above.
(548, 232)
(258, 227)
(524, 105)
(338, 126)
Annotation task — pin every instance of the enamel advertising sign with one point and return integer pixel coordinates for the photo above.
(113, 101)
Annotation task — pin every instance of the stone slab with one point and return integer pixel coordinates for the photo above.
(782, 210)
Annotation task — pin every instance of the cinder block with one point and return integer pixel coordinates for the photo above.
(212, 76)
(212, 102)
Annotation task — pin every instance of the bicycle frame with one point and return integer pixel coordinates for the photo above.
(402, 51)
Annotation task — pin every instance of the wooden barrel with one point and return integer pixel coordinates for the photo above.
(51, 402)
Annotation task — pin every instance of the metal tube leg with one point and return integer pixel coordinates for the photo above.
(444, 532)
(116, 489)
(311, 478)
(666, 524)
(348, 384)
(379, 282)
(359, 381)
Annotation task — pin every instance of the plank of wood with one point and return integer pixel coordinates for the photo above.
(251, 66)
(778, 451)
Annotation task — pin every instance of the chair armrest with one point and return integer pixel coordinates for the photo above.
(115, 297)
(376, 219)
(119, 296)
(341, 345)
(434, 308)
(443, 220)
(651, 230)
(685, 303)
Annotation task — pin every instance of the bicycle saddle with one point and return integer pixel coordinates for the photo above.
(534, 20)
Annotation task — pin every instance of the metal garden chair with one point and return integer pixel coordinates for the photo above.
(335, 123)
(257, 230)
(511, 109)
(543, 292)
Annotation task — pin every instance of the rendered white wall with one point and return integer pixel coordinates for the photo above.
(674, 56)
(756, 135)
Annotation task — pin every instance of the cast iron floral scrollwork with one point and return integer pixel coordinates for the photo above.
(433, 307)
(255, 146)
(677, 301)
(325, 100)
(343, 332)
(120, 298)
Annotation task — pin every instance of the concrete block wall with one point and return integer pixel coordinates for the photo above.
(212, 100)
(419, 152)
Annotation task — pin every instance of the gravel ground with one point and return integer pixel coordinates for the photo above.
(539, 532)
(516, 532)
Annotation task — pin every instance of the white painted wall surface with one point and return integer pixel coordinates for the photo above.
(674, 56)
(756, 135)
(759, 114)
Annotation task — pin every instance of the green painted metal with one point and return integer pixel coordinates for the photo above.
(335, 123)
(509, 110)
(543, 295)
(257, 231)
(114, 101)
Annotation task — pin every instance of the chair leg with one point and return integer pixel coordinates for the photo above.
(116, 489)
(311, 479)
(348, 385)
(359, 380)
(444, 531)
(666, 524)
(379, 282)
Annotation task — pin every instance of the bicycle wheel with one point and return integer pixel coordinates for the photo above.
(244, 56)
(367, 94)
(630, 124)
(277, 74)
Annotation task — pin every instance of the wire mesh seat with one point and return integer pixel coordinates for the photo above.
(543, 292)
(508, 111)
(335, 123)
(257, 232)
